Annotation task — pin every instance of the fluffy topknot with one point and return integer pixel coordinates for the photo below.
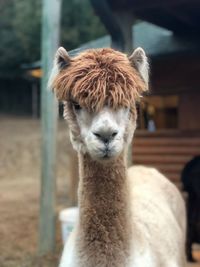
(99, 77)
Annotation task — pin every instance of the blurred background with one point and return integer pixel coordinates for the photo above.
(168, 134)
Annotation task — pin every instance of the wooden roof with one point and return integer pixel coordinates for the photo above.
(156, 42)
(180, 16)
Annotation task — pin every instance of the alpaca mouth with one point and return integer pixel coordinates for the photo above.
(104, 153)
(107, 154)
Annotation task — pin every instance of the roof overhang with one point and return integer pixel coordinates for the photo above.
(180, 16)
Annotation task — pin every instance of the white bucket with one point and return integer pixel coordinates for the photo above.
(68, 218)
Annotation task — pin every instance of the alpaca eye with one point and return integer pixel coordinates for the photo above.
(76, 106)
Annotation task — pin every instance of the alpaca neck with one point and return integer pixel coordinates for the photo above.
(104, 228)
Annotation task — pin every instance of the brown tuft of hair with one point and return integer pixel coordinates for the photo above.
(99, 77)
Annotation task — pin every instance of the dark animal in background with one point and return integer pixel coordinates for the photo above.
(191, 184)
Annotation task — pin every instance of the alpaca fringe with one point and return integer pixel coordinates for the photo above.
(99, 77)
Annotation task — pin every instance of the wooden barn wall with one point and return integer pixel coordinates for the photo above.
(189, 111)
(175, 74)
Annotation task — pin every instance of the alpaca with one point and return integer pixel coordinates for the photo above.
(127, 218)
(191, 184)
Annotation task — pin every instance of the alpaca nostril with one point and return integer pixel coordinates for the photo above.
(97, 135)
(114, 134)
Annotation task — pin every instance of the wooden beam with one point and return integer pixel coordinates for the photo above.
(137, 5)
(125, 21)
(107, 17)
(50, 41)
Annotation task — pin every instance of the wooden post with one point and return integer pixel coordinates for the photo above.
(125, 21)
(50, 42)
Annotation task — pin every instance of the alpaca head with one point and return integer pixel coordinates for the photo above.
(99, 89)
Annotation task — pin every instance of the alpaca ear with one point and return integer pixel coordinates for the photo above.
(139, 60)
(62, 58)
(61, 61)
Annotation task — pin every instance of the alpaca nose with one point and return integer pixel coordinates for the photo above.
(106, 136)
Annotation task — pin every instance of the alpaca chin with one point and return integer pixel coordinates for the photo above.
(106, 158)
(102, 153)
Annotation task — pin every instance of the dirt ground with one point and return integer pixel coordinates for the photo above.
(20, 189)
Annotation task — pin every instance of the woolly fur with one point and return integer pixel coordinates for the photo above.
(104, 214)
